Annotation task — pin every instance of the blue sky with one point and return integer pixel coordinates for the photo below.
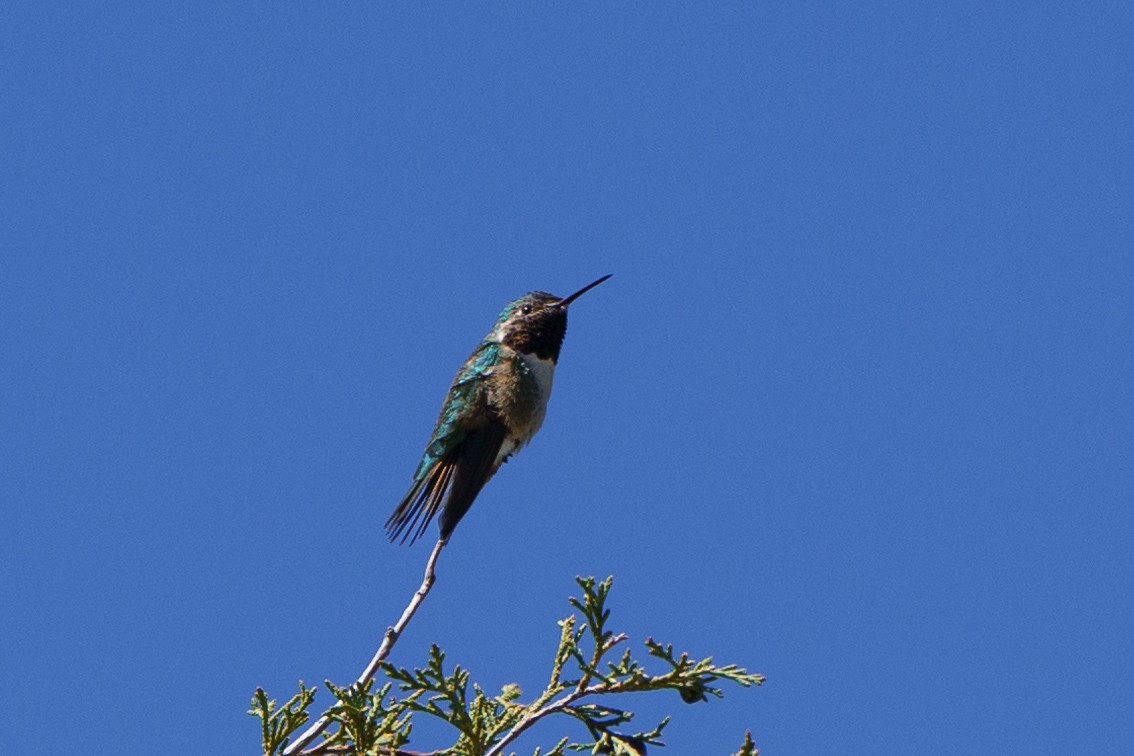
(854, 411)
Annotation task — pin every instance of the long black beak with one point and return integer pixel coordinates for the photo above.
(568, 300)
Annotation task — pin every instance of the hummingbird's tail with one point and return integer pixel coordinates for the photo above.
(422, 502)
(450, 486)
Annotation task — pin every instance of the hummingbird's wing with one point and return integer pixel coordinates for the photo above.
(460, 457)
(450, 485)
(474, 462)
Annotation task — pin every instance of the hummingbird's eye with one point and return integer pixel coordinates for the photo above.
(526, 309)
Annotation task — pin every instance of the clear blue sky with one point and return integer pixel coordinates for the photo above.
(854, 411)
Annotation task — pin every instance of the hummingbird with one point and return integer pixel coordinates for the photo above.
(495, 406)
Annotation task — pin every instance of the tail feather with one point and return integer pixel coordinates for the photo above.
(450, 486)
(421, 504)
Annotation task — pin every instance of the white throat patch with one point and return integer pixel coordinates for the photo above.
(544, 372)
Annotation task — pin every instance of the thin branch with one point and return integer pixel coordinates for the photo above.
(321, 749)
(528, 720)
(388, 641)
(551, 708)
(601, 647)
(581, 691)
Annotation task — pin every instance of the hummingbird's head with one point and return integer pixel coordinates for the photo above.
(537, 322)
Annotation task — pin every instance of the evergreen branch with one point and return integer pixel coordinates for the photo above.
(276, 725)
(449, 689)
(691, 679)
(378, 723)
(365, 723)
(747, 748)
(563, 651)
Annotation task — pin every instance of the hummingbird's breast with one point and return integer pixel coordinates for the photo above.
(520, 387)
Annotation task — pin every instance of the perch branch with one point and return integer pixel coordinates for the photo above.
(388, 641)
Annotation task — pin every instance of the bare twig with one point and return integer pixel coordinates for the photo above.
(388, 641)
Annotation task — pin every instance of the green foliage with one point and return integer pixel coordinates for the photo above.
(747, 748)
(276, 725)
(582, 670)
(366, 723)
